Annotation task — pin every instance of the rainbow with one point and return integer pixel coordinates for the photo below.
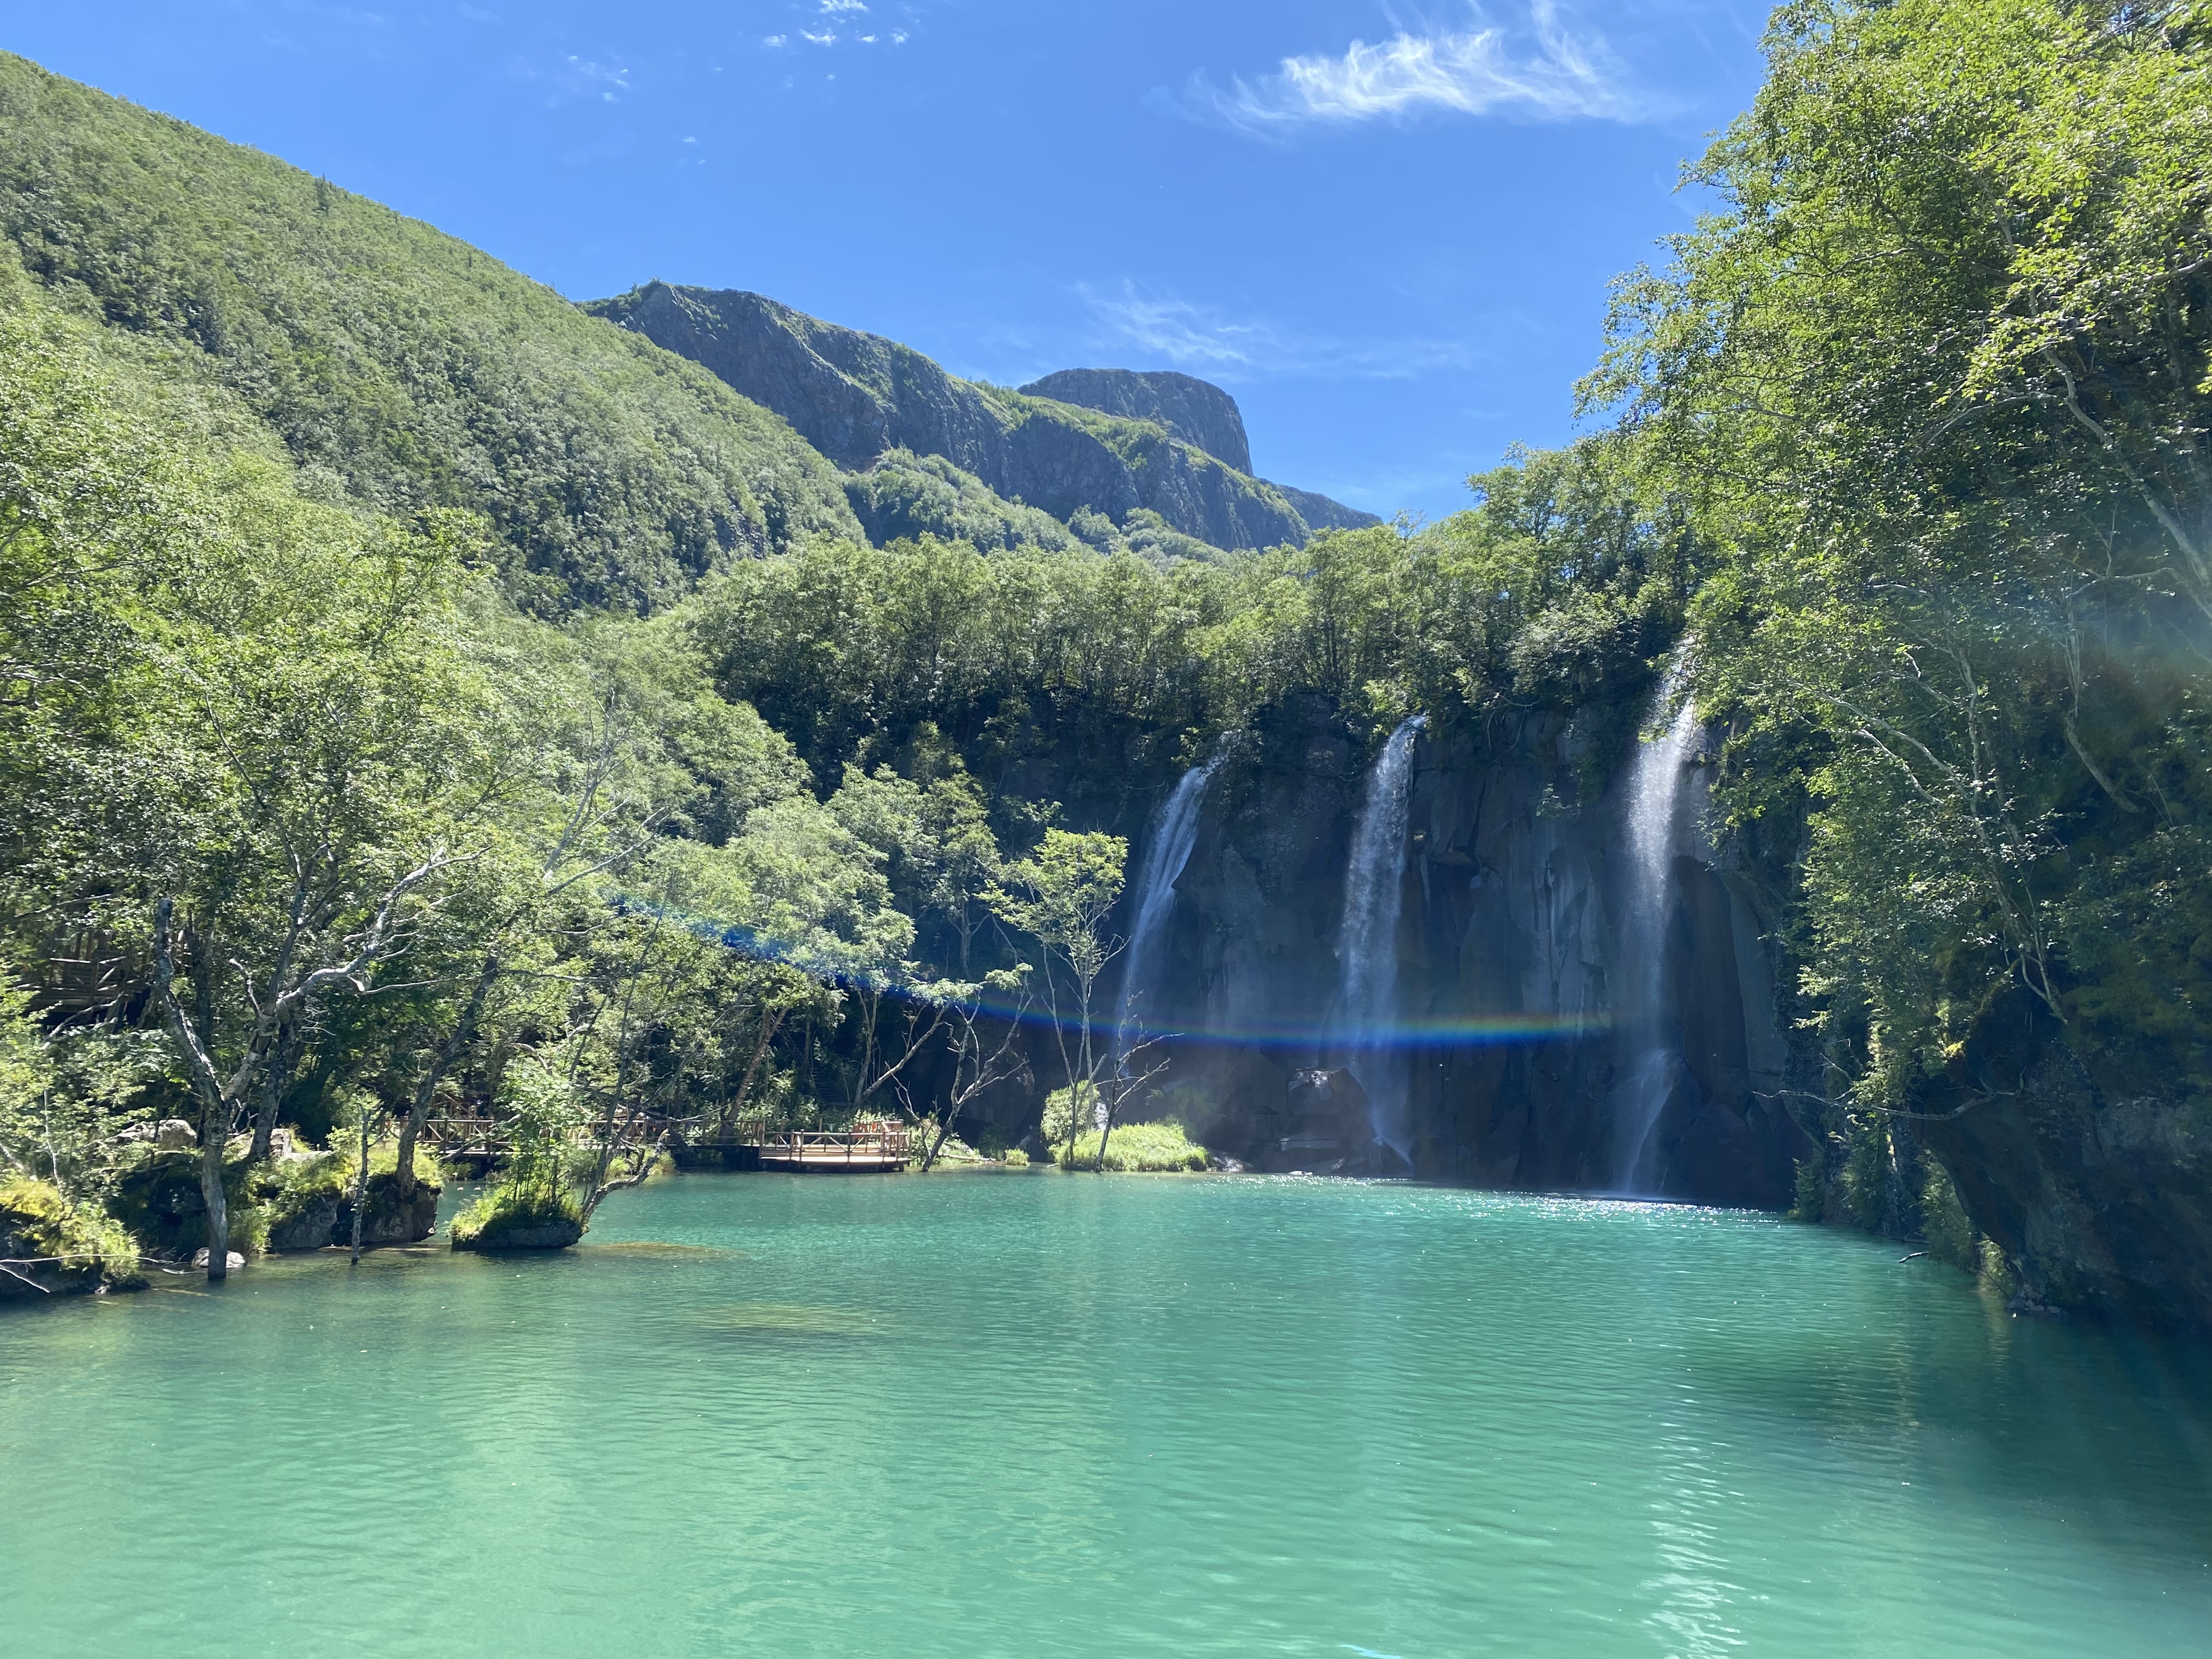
(1459, 1031)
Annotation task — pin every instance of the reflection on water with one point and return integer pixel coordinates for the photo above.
(1068, 1415)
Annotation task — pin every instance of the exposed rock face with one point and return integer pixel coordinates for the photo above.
(1510, 943)
(324, 1217)
(1321, 513)
(160, 1200)
(2099, 1197)
(858, 397)
(309, 1228)
(389, 1219)
(556, 1235)
(851, 395)
(1198, 413)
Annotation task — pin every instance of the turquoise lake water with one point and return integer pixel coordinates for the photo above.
(1024, 1415)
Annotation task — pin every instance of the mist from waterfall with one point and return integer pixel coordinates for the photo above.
(1367, 941)
(1656, 781)
(1174, 830)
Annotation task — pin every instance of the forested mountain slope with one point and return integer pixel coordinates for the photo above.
(403, 368)
(858, 397)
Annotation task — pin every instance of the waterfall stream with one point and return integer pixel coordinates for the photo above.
(1650, 1063)
(1367, 942)
(1174, 830)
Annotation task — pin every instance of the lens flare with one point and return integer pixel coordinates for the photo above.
(1482, 1030)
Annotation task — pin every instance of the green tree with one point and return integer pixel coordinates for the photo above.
(1062, 897)
(1934, 379)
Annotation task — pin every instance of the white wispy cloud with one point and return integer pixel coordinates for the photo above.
(570, 76)
(1180, 331)
(1549, 70)
(1206, 340)
(832, 16)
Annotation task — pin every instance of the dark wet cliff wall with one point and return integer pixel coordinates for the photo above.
(1516, 955)
(1511, 946)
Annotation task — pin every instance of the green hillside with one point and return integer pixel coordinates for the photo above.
(402, 367)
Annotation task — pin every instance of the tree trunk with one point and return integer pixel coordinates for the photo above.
(215, 1100)
(275, 1083)
(214, 1132)
(932, 1146)
(402, 1173)
(735, 1110)
(361, 1188)
(1075, 1100)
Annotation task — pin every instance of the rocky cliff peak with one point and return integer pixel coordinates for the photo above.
(1197, 412)
(858, 398)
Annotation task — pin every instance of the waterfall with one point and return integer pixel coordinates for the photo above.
(1174, 828)
(1651, 1064)
(1367, 941)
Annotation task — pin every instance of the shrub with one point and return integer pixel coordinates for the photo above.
(956, 1151)
(1054, 1128)
(298, 1183)
(1996, 1276)
(1146, 1148)
(511, 1209)
(36, 1220)
(1015, 1158)
(1943, 1224)
(1812, 1196)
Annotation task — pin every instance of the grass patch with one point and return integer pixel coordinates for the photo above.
(1136, 1148)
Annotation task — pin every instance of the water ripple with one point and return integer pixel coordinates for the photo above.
(1068, 1416)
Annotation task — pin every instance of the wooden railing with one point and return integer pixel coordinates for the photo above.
(469, 1137)
(865, 1143)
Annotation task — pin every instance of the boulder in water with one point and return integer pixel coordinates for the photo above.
(308, 1230)
(556, 1234)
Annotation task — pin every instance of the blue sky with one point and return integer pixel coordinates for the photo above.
(1387, 230)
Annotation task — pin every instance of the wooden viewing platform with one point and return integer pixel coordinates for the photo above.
(866, 1149)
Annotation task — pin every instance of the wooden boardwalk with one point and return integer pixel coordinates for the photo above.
(875, 1148)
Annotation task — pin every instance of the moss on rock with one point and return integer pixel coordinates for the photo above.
(54, 1246)
(509, 1220)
